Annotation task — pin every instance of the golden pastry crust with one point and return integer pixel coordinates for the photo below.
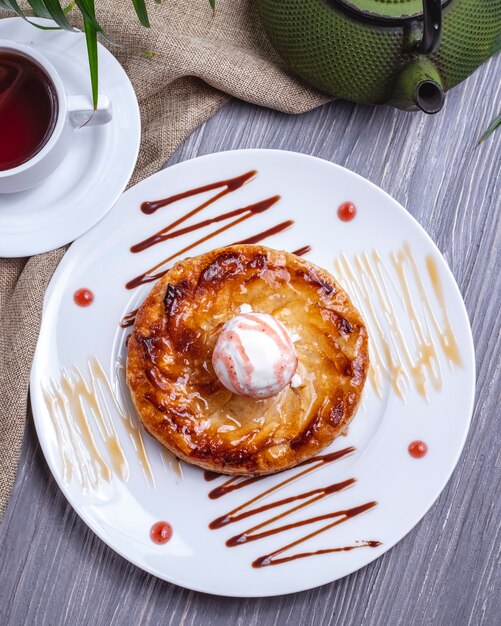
(182, 403)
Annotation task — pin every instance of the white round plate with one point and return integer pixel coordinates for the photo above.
(99, 163)
(408, 312)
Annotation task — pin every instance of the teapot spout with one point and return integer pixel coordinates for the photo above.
(419, 86)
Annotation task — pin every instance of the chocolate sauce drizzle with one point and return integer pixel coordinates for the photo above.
(274, 230)
(128, 319)
(314, 495)
(210, 476)
(267, 559)
(173, 230)
(302, 251)
(229, 185)
(256, 532)
(244, 214)
(237, 482)
(231, 485)
(259, 207)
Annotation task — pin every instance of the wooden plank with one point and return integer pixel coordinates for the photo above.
(53, 570)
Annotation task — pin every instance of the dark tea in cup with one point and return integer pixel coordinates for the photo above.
(28, 109)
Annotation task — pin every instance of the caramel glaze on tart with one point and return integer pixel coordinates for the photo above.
(182, 403)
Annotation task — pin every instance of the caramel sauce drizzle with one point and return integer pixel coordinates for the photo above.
(262, 530)
(171, 463)
(69, 444)
(447, 338)
(75, 405)
(135, 432)
(373, 283)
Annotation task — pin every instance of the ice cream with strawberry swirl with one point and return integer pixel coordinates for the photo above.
(254, 356)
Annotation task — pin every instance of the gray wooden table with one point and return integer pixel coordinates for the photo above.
(53, 570)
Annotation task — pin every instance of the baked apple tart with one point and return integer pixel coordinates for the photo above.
(247, 360)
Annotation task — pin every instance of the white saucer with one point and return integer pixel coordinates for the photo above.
(99, 164)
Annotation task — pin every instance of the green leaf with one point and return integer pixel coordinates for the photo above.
(40, 27)
(496, 123)
(57, 14)
(87, 9)
(91, 39)
(53, 9)
(141, 11)
(213, 4)
(12, 5)
(69, 8)
(39, 9)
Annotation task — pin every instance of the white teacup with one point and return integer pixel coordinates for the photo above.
(73, 112)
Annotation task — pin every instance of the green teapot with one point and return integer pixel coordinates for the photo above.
(406, 53)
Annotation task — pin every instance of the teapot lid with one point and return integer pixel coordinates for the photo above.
(386, 9)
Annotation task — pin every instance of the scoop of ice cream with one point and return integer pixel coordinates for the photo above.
(254, 355)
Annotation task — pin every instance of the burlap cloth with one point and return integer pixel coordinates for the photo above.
(199, 61)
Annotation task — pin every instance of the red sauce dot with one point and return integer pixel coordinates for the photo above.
(418, 449)
(161, 532)
(83, 297)
(347, 211)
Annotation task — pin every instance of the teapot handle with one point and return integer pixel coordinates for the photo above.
(432, 26)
